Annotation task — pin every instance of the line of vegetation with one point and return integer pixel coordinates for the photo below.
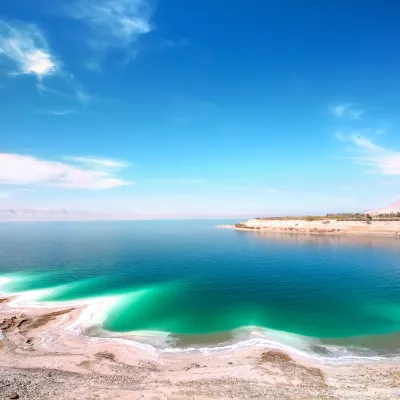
(338, 217)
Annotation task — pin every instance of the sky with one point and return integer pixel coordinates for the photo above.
(174, 108)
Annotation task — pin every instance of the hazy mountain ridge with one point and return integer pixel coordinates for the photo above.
(393, 208)
(54, 214)
(30, 214)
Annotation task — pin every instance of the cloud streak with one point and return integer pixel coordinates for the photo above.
(113, 23)
(17, 169)
(26, 49)
(347, 110)
(377, 158)
(72, 89)
(59, 113)
(99, 162)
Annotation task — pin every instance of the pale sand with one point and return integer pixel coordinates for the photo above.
(332, 227)
(41, 357)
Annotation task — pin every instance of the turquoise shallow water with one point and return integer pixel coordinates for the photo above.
(190, 279)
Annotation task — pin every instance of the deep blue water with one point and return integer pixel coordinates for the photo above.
(187, 277)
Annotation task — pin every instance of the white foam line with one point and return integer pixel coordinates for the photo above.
(4, 281)
(137, 345)
(96, 309)
(29, 298)
(32, 299)
(94, 314)
(265, 343)
(340, 355)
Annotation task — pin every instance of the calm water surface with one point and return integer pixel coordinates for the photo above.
(189, 278)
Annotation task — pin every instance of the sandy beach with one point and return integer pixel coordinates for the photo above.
(330, 227)
(44, 357)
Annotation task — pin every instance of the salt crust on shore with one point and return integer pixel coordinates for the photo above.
(42, 358)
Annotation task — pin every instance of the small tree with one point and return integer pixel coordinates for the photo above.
(310, 218)
(369, 219)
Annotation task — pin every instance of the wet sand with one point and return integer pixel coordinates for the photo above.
(42, 356)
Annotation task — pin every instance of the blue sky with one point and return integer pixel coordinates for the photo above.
(207, 108)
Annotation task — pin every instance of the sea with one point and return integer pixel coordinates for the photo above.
(187, 285)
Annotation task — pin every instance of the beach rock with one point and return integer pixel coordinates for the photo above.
(275, 356)
(194, 365)
(13, 395)
(105, 355)
(22, 322)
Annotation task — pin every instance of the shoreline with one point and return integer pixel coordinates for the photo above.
(39, 344)
(327, 227)
(84, 317)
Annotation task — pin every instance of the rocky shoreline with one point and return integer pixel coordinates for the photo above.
(41, 359)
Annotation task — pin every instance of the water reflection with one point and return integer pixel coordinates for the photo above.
(325, 239)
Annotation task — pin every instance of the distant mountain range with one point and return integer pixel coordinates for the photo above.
(393, 208)
(28, 214)
(51, 214)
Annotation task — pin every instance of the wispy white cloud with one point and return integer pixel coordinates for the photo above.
(71, 90)
(59, 113)
(93, 65)
(26, 49)
(367, 153)
(99, 162)
(27, 52)
(80, 95)
(347, 110)
(114, 23)
(17, 169)
(365, 144)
